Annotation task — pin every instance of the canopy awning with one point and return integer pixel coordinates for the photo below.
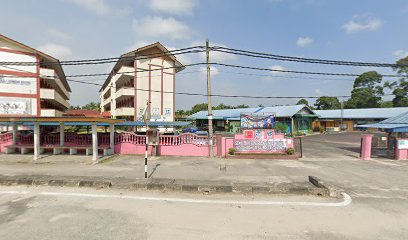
(154, 124)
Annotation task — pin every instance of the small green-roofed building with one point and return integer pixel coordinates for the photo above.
(295, 118)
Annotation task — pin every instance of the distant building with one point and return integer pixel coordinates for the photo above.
(331, 120)
(145, 74)
(36, 88)
(296, 118)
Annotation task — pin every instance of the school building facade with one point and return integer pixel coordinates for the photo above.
(34, 85)
(145, 74)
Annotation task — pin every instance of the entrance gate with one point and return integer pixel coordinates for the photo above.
(383, 146)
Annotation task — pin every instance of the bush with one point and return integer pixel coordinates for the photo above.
(316, 129)
(290, 151)
(231, 151)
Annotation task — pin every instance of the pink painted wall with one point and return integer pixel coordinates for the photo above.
(401, 154)
(5, 140)
(185, 150)
(365, 149)
(130, 148)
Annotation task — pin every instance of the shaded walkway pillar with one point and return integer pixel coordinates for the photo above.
(14, 132)
(94, 142)
(62, 134)
(36, 140)
(365, 148)
(112, 138)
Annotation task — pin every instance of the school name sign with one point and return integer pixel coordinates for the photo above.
(261, 145)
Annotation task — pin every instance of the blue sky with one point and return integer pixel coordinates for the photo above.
(364, 30)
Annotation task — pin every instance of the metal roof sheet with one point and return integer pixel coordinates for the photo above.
(362, 113)
(280, 111)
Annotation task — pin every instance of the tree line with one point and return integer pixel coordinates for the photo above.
(368, 90)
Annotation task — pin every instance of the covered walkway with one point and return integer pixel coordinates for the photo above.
(90, 146)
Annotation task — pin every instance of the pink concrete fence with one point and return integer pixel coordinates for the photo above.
(130, 138)
(5, 140)
(185, 138)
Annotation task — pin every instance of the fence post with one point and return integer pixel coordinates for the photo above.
(301, 147)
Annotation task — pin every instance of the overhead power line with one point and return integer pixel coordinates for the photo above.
(199, 94)
(195, 49)
(298, 72)
(300, 59)
(216, 95)
(229, 65)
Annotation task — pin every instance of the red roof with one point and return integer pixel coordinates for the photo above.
(87, 113)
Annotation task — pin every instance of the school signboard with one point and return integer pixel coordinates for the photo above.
(257, 120)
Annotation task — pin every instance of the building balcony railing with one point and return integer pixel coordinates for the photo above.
(53, 95)
(48, 73)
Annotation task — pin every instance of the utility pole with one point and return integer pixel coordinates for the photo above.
(341, 115)
(210, 117)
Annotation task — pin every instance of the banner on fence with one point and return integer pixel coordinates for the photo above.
(257, 120)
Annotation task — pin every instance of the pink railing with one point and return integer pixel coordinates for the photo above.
(103, 139)
(130, 138)
(185, 138)
(6, 137)
(51, 139)
(25, 139)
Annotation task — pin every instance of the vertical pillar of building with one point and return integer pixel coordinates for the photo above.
(62, 134)
(14, 131)
(36, 140)
(102, 100)
(112, 136)
(94, 142)
(113, 96)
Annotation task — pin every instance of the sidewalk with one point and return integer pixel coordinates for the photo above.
(175, 174)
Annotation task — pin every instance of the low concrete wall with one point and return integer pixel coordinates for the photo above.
(186, 150)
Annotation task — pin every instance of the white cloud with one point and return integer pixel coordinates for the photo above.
(304, 42)
(214, 71)
(56, 50)
(278, 70)
(400, 53)
(136, 45)
(96, 6)
(361, 23)
(178, 7)
(161, 27)
(59, 34)
(318, 91)
(219, 57)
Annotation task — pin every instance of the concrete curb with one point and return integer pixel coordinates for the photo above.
(313, 187)
(333, 191)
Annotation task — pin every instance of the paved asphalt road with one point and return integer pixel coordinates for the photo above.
(379, 210)
(37, 216)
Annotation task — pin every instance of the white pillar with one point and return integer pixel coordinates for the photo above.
(112, 136)
(36, 140)
(113, 98)
(94, 142)
(14, 131)
(62, 134)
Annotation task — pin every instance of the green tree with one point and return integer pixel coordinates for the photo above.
(386, 104)
(324, 103)
(367, 91)
(199, 107)
(180, 112)
(222, 106)
(400, 88)
(302, 102)
(261, 105)
(92, 106)
(242, 106)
